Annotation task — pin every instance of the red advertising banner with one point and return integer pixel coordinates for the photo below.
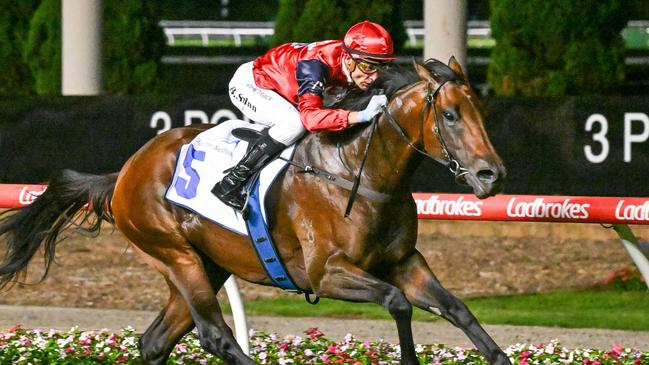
(19, 195)
(528, 208)
(533, 208)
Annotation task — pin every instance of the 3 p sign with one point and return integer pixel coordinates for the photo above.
(598, 151)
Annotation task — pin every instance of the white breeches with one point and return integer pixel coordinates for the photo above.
(265, 106)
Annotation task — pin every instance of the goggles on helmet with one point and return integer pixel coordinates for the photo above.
(367, 67)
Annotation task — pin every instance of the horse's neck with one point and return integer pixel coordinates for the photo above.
(388, 167)
(390, 161)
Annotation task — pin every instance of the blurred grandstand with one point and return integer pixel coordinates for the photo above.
(223, 44)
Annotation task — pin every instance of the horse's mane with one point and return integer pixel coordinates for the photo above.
(392, 78)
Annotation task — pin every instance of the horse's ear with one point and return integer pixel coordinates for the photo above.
(456, 67)
(423, 72)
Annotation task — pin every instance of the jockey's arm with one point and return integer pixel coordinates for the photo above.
(311, 79)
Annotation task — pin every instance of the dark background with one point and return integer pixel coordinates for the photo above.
(541, 140)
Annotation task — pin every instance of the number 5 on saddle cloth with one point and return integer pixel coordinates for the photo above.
(202, 163)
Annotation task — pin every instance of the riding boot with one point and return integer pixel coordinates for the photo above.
(230, 189)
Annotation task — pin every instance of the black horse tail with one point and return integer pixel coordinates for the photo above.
(61, 206)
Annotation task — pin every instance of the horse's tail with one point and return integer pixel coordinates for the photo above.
(28, 228)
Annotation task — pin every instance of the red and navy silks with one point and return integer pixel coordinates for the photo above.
(300, 72)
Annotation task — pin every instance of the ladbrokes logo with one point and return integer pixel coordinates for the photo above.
(26, 196)
(458, 207)
(539, 208)
(628, 212)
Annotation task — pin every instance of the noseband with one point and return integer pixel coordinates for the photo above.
(450, 161)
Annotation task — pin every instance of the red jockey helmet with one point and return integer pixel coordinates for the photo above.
(368, 40)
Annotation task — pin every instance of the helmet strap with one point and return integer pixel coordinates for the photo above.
(351, 68)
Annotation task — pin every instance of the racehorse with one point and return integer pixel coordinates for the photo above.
(367, 256)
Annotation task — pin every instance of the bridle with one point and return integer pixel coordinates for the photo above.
(450, 161)
(354, 186)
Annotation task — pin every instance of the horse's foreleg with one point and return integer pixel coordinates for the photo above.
(343, 280)
(423, 290)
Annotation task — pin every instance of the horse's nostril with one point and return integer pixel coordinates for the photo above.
(487, 176)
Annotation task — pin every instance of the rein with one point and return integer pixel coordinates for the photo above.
(357, 180)
(339, 181)
(451, 162)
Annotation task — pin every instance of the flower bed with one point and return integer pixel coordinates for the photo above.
(21, 346)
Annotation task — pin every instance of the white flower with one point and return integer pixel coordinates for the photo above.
(549, 349)
(297, 341)
(40, 342)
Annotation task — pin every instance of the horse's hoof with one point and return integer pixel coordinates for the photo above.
(501, 359)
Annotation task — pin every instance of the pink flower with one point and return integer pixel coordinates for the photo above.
(313, 333)
(69, 349)
(181, 347)
(14, 328)
(333, 349)
(121, 359)
(84, 342)
(617, 350)
(283, 346)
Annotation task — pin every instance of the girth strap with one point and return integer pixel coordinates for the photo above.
(263, 244)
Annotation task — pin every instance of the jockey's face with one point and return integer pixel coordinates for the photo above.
(363, 73)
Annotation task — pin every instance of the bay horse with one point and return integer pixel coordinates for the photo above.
(368, 256)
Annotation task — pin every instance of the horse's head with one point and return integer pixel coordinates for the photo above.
(450, 119)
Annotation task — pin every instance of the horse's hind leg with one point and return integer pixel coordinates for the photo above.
(423, 289)
(173, 322)
(196, 281)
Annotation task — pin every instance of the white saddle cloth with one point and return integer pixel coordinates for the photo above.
(200, 165)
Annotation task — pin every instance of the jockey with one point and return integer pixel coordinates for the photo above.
(284, 90)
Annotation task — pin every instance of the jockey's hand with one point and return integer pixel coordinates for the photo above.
(373, 108)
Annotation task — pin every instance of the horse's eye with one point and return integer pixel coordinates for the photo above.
(449, 116)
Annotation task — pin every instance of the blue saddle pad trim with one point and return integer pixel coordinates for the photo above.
(263, 243)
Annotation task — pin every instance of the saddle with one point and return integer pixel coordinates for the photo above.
(203, 162)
